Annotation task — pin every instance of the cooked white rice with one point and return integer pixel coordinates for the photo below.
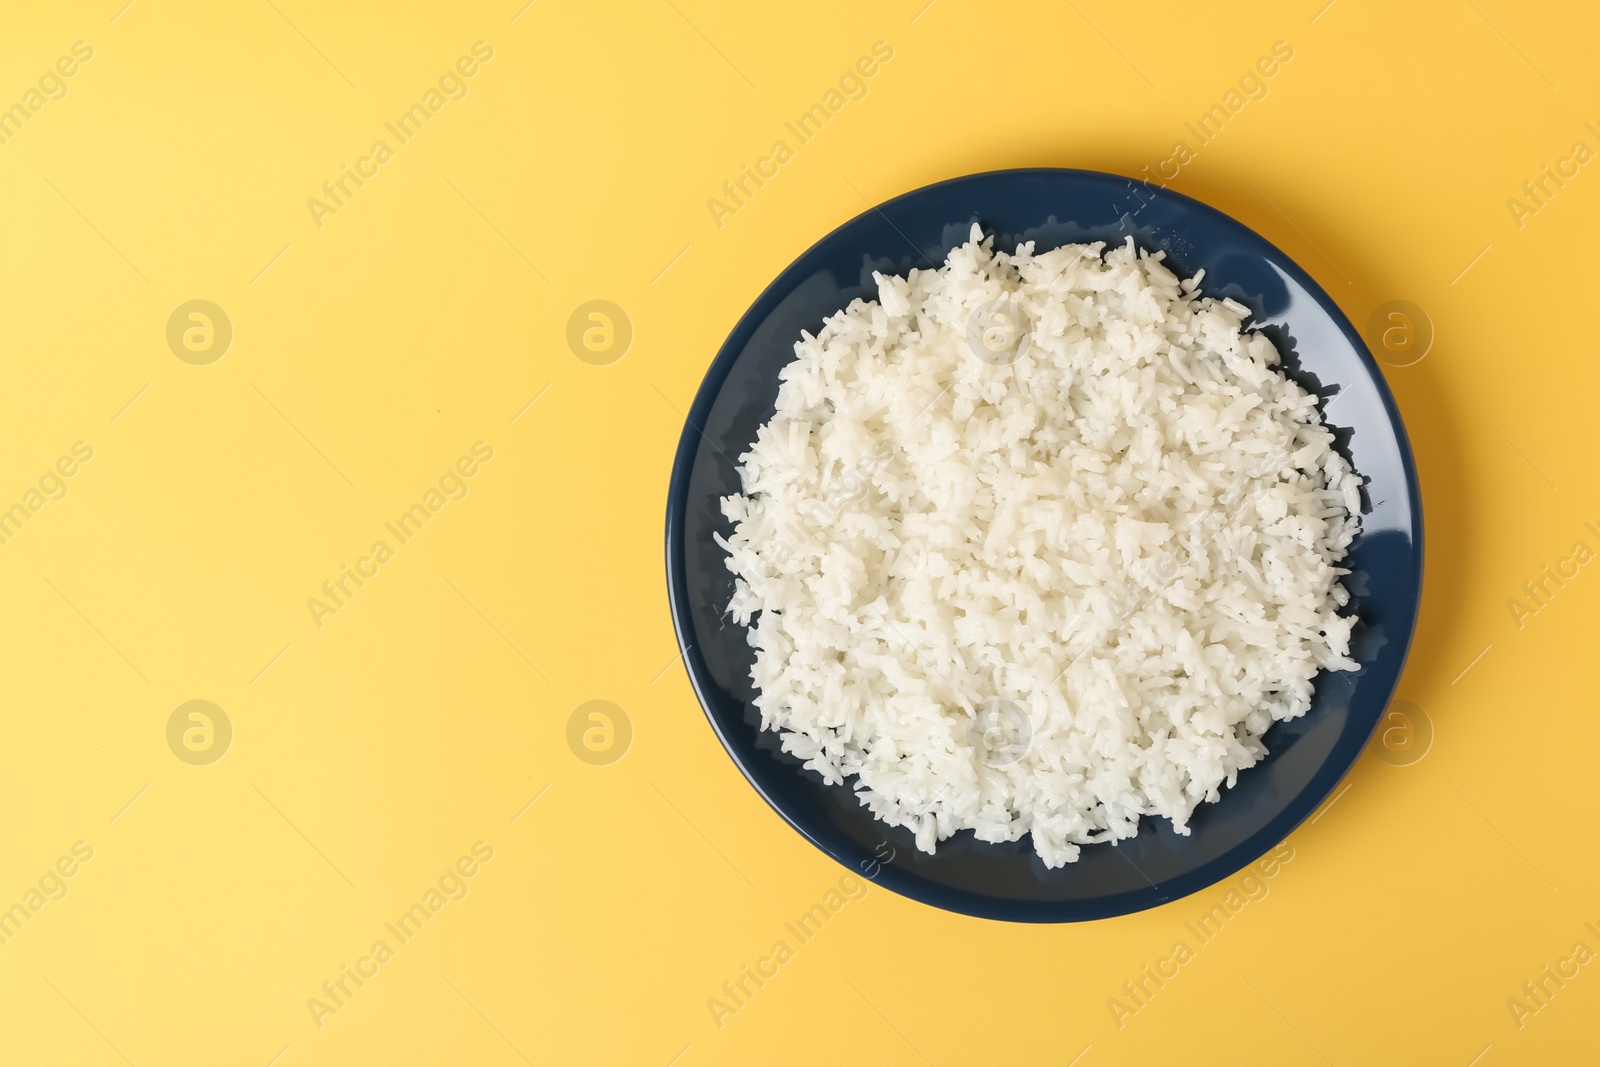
(1039, 543)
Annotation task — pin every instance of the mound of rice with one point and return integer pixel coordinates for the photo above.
(1039, 544)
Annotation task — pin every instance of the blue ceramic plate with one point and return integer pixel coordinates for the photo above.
(1321, 350)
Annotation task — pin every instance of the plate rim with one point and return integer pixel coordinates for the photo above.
(963, 901)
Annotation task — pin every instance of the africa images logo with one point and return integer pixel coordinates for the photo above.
(338, 191)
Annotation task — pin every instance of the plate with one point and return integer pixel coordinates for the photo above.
(1307, 756)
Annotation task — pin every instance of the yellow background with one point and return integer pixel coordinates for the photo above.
(372, 351)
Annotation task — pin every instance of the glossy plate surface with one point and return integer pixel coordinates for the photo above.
(1307, 757)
